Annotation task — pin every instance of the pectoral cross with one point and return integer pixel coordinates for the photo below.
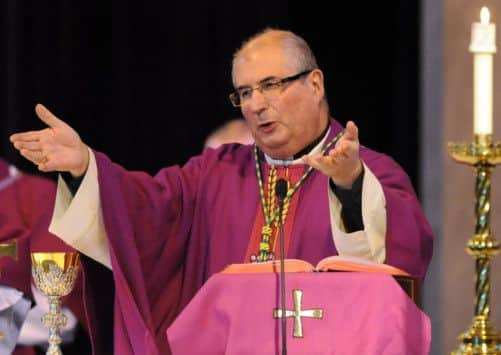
(8, 249)
(297, 313)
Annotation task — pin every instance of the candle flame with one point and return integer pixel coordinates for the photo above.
(484, 15)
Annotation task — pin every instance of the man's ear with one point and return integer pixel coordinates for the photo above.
(316, 79)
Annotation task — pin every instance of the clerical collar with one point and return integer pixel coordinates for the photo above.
(313, 148)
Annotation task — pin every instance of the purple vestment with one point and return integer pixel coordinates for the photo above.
(169, 233)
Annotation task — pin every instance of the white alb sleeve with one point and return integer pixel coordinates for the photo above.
(368, 243)
(78, 220)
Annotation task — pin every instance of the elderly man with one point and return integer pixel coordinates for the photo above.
(164, 236)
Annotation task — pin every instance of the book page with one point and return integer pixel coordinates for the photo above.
(353, 263)
(290, 265)
(331, 263)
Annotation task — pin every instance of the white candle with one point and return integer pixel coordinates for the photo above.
(483, 45)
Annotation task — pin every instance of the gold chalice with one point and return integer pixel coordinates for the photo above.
(54, 275)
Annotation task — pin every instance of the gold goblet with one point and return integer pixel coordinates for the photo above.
(54, 275)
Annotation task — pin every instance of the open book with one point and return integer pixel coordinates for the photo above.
(331, 263)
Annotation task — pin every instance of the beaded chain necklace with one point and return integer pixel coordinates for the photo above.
(270, 211)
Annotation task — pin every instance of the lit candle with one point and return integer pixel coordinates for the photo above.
(483, 45)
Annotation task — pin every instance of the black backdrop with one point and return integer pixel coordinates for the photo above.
(146, 81)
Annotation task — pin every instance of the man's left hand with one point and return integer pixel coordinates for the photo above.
(342, 164)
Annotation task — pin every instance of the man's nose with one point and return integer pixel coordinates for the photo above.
(257, 102)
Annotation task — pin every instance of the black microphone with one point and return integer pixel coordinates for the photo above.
(281, 191)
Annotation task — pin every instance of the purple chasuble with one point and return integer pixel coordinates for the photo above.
(169, 233)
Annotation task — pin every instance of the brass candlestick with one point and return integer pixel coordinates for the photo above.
(54, 275)
(483, 155)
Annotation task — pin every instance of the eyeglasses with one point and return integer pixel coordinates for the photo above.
(269, 88)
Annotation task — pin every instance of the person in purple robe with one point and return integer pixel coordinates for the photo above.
(164, 236)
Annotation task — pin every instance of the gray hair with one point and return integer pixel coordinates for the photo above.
(299, 52)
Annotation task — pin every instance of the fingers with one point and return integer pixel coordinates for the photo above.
(35, 156)
(348, 144)
(56, 148)
(33, 146)
(320, 162)
(48, 165)
(28, 145)
(47, 117)
(39, 141)
(26, 136)
(307, 159)
(351, 131)
(42, 160)
(344, 149)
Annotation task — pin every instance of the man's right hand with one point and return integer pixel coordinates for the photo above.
(55, 148)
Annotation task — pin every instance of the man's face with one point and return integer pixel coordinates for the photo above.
(283, 123)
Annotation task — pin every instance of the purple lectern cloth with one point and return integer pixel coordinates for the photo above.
(363, 314)
(169, 233)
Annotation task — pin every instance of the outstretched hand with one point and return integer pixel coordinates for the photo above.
(342, 164)
(55, 148)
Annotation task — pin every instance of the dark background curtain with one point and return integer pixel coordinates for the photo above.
(146, 81)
